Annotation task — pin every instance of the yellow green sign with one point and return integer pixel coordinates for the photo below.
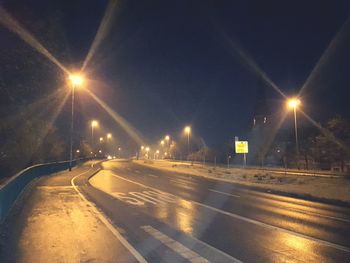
(241, 146)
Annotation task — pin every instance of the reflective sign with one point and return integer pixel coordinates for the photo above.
(241, 146)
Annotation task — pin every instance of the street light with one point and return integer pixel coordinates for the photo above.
(156, 153)
(187, 130)
(162, 142)
(76, 80)
(147, 151)
(101, 139)
(94, 124)
(293, 103)
(109, 136)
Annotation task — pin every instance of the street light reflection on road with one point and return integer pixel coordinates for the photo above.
(184, 215)
(296, 245)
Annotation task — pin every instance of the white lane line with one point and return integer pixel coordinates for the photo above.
(185, 252)
(181, 182)
(252, 221)
(152, 175)
(106, 222)
(137, 171)
(223, 193)
(269, 198)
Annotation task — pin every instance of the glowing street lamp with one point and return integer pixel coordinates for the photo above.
(94, 124)
(156, 154)
(101, 139)
(294, 103)
(76, 81)
(147, 149)
(162, 142)
(187, 131)
(109, 136)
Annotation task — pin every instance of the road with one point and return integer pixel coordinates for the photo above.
(168, 217)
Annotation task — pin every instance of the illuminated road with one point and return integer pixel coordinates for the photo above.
(169, 217)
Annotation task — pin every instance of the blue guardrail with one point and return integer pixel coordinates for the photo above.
(10, 191)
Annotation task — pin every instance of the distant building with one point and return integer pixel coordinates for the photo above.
(260, 126)
(262, 113)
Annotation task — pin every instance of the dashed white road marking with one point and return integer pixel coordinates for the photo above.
(106, 222)
(185, 252)
(183, 180)
(187, 184)
(152, 175)
(223, 193)
(246, 219)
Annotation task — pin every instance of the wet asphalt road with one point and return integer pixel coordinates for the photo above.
(170, 217)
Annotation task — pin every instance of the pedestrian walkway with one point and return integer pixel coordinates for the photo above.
(54, 224)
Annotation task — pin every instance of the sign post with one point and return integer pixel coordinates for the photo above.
(242, 147)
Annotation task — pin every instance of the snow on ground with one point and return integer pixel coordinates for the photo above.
(320, 187)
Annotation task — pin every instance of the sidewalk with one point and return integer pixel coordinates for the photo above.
(335, 189)
(52, 223)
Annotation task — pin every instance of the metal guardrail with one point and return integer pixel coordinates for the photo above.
(13, 187)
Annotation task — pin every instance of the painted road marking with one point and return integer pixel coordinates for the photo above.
(152, 175)
(252, 221)
(293, 209)
(106, 222)
(223, 193)
(140, 198)
(182, 180)
(295, 203)
(137, 171)
(185, 252)
(189, 184)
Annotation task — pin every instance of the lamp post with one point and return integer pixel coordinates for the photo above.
(108, 146)
(188, 132)
(147, 151)
(94, 124)
(167, 139)
(141, 151)
(294, 103)
(76, 81)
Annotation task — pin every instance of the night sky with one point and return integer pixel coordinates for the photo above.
(165, 64)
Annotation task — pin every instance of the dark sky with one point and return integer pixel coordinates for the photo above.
(165, 64)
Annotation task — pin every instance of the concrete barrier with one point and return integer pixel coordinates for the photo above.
(13, 187)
